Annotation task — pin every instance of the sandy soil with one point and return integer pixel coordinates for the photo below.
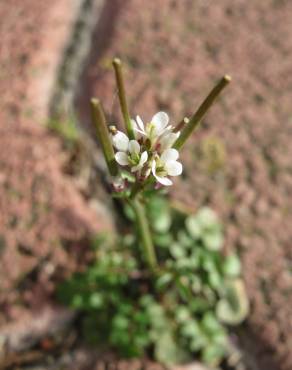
(44, 219)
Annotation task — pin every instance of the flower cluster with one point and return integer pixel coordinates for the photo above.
(151, 152)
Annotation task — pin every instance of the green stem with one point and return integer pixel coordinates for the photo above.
(137, 187)
(103, 135)
(202, 110)
(145, 234)
(122, 97)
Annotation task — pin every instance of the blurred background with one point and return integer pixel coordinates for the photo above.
(54, 56)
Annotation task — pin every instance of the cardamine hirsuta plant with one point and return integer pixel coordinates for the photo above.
(148, 151)
(165, 289)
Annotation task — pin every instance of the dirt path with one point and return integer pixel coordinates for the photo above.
(174, 51)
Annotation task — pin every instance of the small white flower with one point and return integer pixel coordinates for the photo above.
(154, 128)
(167, 140)
(118, 183)
(166, 165)
(129, 152)
(152, 151)
(121, 141)
(142, 161)
(159, 123)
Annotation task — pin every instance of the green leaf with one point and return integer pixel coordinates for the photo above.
(213, 240)
(232, 266)
(206, 227)
(191, 329)
(141, 317)
(77, 301)
(166, 350)
(215, 280)
(207, 218)
(209, 293)
(198, 305)
(164, 280)
(96, 300)
(196, 337)
(128, 240)
(220, 337)
(162, 240)
(208, 262)
(184, 264)
(210, 323)
(182, 314)
(183, 288)
(196, 284)
(129, 212)
(193, 227)
(162, 223)
(120, 322)
(146, 300)
(213, 354)
(159, 213)
(177, 251)
(142, 340)
(198, 343)
(157, 317)
(234, 307)
(195, 259)
(184, 240)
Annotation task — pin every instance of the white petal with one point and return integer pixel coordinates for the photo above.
(140, 132)
(137, 131)
(167, 130)
(121, 141)
(173, 168)
(154, 168)
(164, 180)
(169, 155)
(140, 123)
(147, 172)
(166, 141)
(118, 183)
(160, 121)
(143, 158)
(134, 147)
(134, 124)
(122, 158)
(135, 168)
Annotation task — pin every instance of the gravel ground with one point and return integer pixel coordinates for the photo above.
(240, 160)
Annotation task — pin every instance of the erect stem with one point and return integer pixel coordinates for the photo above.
(139, 186)
(202, 110)
(136, 189)
(144, 234)
(122, 97)
(103, 135)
